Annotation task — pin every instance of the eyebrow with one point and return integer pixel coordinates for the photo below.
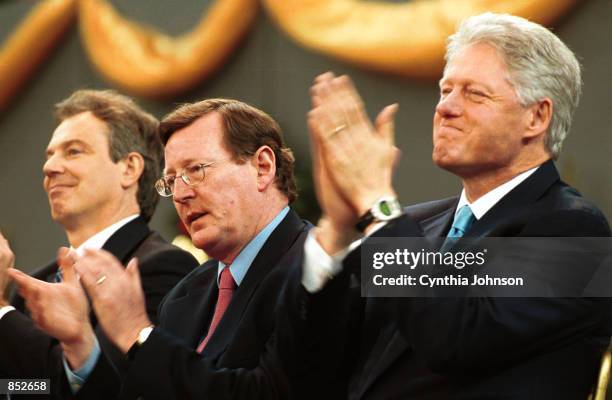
(186, 163)
(467, 83)
(66, 144)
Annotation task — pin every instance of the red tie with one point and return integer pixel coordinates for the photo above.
(226, 290)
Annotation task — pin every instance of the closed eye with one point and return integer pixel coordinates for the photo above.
(73, 151)
(476, 95)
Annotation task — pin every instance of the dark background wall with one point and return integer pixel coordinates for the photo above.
(271, 72)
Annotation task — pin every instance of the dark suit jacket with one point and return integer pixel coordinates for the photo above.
(459, 348)
(25, 351)
(239, 361)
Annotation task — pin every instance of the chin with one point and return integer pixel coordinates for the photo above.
(65, 219)
(447, 158)
(450, 165)
(441, 160)
(198, 242)
(204, 241)
(58, 213)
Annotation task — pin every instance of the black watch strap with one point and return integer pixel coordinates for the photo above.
(386, 208)
(364, 221)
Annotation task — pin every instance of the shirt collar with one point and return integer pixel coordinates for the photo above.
(243, 261)
(481, 206)
(97, 241)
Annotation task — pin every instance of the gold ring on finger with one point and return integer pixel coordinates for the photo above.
(338, 129)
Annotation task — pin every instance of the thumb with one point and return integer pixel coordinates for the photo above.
(23, 281)
(69, 274)
(385, 122)
(66, 260)
(133, 271)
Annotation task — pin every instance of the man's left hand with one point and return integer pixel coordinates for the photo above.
(116, 295)
(358, 155)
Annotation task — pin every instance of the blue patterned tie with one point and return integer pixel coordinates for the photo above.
(463, 220)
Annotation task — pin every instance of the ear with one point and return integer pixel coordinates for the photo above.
(264, 163)
(539, 117)
(133, 167)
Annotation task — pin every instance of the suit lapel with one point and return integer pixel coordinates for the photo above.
(516, 202)
(123, 242)
(189, 316)
(47, 273)
(389, 344)
(438, 225)
(279, 242)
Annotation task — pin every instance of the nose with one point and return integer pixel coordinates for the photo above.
(53, 166)
(450, 105)
(182, 191)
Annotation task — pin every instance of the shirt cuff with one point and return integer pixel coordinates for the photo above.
(319, 267)
(77, 378)
(5, 310)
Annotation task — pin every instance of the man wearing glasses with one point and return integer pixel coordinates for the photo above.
(100, 166)
(231, 179)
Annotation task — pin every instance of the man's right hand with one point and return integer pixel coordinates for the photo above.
(60, 309)
(116, 295)
(7, 260)
(353, 159)
(336, 232)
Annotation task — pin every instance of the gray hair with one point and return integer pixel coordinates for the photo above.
(539, 64)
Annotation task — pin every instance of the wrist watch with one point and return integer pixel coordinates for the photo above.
(143, 335)
(384, 209)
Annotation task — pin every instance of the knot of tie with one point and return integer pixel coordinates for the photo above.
(226, 280)
(463, 220)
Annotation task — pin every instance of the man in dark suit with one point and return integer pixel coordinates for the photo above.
(506, 100)
(102, 161)
(231, 179)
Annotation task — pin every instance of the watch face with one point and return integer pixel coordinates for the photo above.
(386, 209)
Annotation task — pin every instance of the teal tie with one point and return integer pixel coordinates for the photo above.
(464, 218)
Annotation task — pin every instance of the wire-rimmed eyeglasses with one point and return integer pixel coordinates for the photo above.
(192, 176)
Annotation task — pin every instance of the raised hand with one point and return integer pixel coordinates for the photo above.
(353, 159)
(60, 309)
(359, 156)
(116, 295)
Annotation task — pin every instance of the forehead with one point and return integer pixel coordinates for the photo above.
(84, 127)
(478, 63)
(201, 141)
